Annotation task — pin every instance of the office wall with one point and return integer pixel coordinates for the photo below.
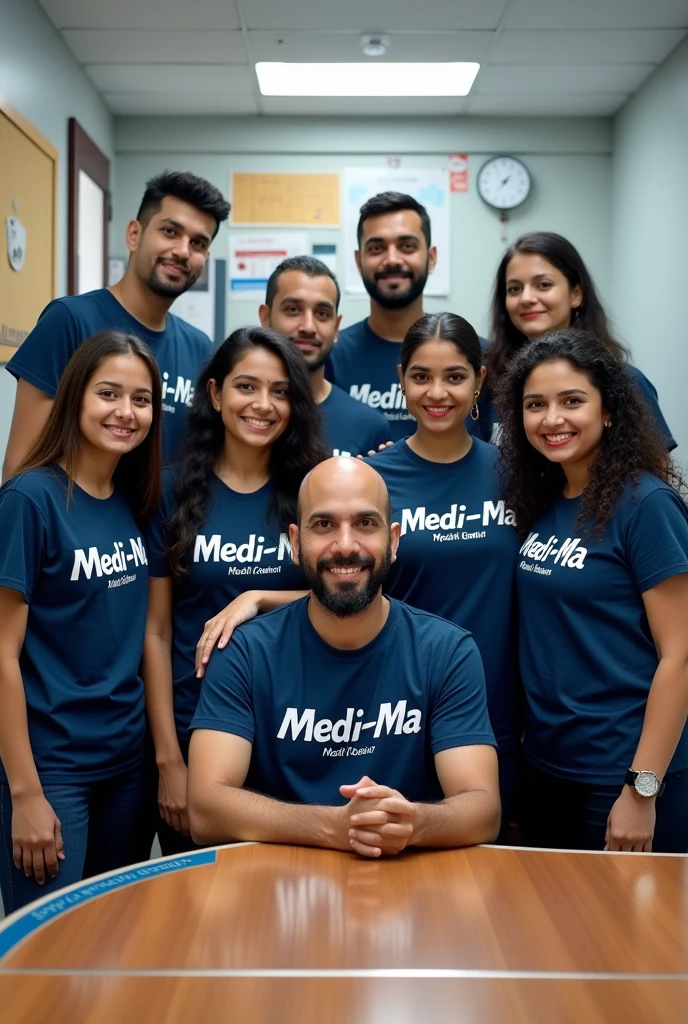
(39, 76)
(649, 222)
(570, 161)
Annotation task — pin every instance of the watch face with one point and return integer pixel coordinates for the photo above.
(504, 182)
(647, 784)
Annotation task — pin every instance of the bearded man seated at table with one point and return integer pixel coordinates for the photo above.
(345, 719)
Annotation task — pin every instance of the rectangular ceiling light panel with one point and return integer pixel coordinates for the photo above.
(277, 78)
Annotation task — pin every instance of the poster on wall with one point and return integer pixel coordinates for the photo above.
(254, 256)
(428, 186)
(197, 304)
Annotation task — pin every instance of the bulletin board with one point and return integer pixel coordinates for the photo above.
(303, 200)
(28, 227)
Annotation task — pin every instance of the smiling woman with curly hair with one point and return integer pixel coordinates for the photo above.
(602, 583)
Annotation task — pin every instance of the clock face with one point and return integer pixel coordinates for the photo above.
(504, 182)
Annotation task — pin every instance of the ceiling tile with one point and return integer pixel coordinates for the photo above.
(346, 46)
(606, 46)
(179, 104)
(356, 106)
(594, 104)
(582, 14)
(174, 78)
(158, 14)
(504, 79)
(378, 16)
(152, 46)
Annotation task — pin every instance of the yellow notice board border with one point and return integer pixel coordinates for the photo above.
(25, 126)
(294, 200)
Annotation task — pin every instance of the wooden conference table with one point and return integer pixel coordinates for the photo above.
(279, 934)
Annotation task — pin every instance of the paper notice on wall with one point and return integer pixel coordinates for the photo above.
(429, 187)
(327, 254)
(458, 172)
(254, 256)
(197, 304)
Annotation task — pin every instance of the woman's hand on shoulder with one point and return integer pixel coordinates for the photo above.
(219, 629)
(380, 448)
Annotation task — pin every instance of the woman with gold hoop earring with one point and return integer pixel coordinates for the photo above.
(458, 547)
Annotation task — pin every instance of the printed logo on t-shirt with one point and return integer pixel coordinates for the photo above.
(212, 549)
(569, 553)
(338, 453)
(180, 393)
(397, 720)
(455, 520)
(118, 560)
(386, 400)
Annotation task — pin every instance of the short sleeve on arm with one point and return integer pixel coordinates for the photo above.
(43, 356)
(226, 703)
(22, 544)
(459, 715)
(657, 539)
(649, 393)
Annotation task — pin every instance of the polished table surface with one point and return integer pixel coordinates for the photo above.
(270, 933)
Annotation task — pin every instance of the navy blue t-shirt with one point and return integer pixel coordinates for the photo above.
(587, 654)
(82, 570)
(319, 717)
(491, 425)
(365, 366)
(181, 352)
(238, 548)
(351, 428)
(457, 557)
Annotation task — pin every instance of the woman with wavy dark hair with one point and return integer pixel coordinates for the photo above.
(458, 544)
(73, 597)
(252, 434)
(602, 584)
(543, 285)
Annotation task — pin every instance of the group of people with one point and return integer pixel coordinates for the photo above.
(218, 627)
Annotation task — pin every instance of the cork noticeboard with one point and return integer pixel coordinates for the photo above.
(303, 200)
(28, 191)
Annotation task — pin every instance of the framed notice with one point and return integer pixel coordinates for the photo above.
(298, 200)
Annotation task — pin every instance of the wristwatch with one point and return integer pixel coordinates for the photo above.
(644, 783)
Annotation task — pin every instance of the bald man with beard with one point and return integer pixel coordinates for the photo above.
(344, 719)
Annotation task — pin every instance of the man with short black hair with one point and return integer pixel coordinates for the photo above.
(394, 257)
(169, 244)
(302, 301)
(341, 684)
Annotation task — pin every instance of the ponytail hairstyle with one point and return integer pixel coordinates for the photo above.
(295, 452)
(590, 316)
(137, 474)
(631, 445)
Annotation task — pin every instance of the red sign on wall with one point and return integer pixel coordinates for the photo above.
(458, 172)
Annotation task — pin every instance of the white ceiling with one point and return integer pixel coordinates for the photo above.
(537, 57)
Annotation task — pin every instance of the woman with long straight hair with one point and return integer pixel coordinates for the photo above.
(253, 432)
(543, 285)
(73, 596)
(602, 581)
(458, 544)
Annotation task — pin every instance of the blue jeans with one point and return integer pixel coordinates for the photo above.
(101, 823)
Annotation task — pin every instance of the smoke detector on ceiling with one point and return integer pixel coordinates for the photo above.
(375, 44)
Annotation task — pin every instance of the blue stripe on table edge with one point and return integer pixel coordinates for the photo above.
(33, 916)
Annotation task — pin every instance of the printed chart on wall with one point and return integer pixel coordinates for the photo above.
(253, 257)
(429, 187)
(297, 200)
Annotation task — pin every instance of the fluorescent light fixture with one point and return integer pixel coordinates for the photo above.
(277, 78)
